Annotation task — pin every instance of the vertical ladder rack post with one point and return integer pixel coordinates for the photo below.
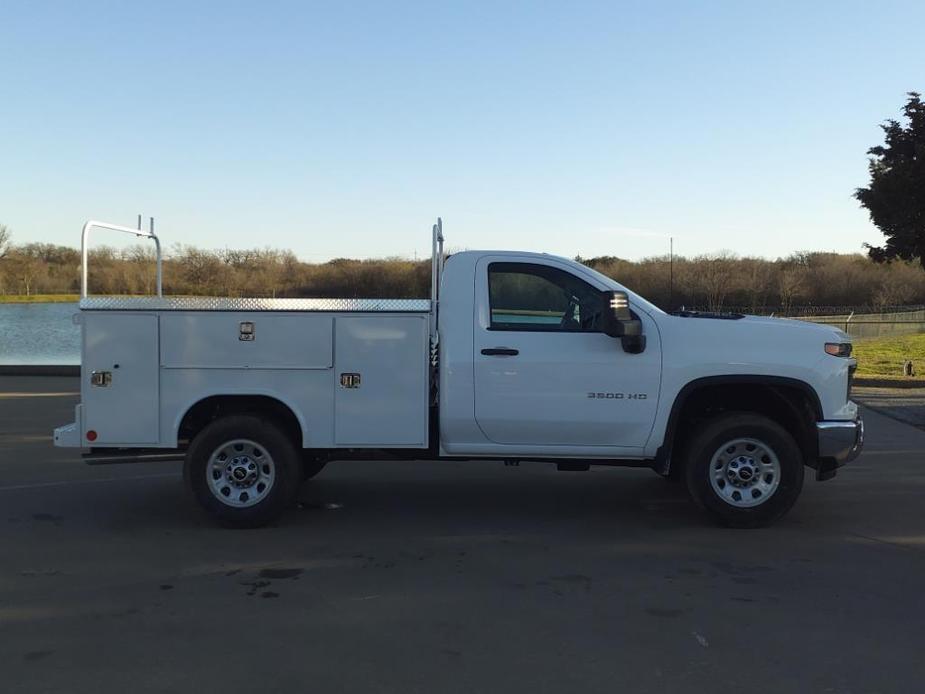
(436, 271)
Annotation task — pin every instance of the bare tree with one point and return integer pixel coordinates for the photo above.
(717, 282)
(30, 269)
(142, 263)
(893, 291)
(756, 281)
(715, 278)
(790, 286)
(200, 268)
(6, 239)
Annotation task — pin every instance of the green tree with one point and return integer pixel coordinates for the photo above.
(895, 197)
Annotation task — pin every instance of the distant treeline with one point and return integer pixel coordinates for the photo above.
(708, 281)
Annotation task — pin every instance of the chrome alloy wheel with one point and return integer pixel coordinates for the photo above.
(240, 473)
(745, 472)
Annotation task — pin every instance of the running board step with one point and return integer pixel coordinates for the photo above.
(573, 466)
(133, 455)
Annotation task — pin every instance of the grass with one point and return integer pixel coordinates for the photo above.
(883, 357)
(37, 298)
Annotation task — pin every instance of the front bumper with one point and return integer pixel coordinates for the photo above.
(840, 442)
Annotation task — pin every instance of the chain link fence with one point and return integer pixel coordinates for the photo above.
(860, 322)
(869, 325)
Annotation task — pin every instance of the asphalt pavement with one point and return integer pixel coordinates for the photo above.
(451, 577)
(905, 404)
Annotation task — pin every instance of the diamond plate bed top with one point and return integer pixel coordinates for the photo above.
(214, 303)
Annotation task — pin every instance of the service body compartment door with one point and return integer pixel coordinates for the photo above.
(122, 349)
(215, 340)
(381, 381)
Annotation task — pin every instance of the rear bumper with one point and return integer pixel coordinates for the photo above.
(69, 436)
(840, 442)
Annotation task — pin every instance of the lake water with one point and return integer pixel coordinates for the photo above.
(39, 334)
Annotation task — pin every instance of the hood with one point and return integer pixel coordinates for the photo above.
(761, 327)
(832, 332)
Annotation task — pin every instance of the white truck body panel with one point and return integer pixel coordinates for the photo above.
(390, 405)
(308, 393)
(544, 396)
(124, 413)
(162, 363)
(201, 340)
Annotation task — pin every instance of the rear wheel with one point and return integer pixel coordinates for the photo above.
(243, 470)
(745, 469)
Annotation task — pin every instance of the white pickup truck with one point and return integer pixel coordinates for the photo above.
(515, 357)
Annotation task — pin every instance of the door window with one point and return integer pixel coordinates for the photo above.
(528, 297)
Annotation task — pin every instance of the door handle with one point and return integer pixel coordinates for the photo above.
(101, 379)
(500, 352)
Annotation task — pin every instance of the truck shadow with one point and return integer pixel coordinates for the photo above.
(488, 495)
(398, 498)
(389, 498)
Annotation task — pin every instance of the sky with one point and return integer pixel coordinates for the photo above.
(344, 129)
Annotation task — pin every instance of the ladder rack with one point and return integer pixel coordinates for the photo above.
(139, 232)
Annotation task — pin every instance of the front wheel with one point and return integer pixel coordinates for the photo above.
(243, 470)
(745, 469)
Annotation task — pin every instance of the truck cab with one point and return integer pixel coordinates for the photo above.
(525, 364)
(515, 356)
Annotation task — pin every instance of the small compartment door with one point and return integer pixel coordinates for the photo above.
(122, 348)
(381, 381)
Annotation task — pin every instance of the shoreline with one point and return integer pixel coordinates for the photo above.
(39, 369)
(39, 298)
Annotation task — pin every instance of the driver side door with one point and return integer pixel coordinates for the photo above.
(544, 373)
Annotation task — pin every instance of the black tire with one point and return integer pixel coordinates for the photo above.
(773, 441)
(271, 445)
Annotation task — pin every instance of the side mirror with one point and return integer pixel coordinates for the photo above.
(619, 322)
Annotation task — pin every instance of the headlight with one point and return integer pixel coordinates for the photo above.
(838, 349)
